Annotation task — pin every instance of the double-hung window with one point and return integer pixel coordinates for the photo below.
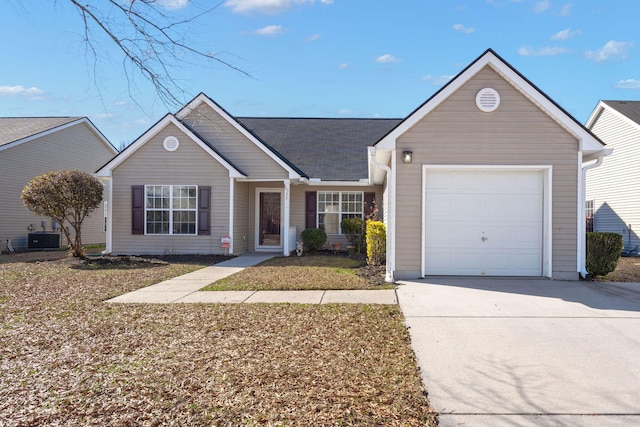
(334, 206)
(171, 209)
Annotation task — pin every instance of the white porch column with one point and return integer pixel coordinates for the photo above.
(286, 217)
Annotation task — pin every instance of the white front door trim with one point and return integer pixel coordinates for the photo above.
(259, 247)
(547, 173)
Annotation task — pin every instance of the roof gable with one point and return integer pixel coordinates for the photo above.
(589, 143)
(106, 170)
(18, 130)
(278, 158)
(628, 111)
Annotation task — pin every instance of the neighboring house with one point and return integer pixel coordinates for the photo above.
(485, 178)
(613, 202)
(32, 146)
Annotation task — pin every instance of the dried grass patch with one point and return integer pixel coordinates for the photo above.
(309, 272)
(627, 270)
(69, 359)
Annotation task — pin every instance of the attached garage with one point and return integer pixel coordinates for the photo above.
(490, 221)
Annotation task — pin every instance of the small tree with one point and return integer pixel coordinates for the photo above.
(66, 197)
(354, 228)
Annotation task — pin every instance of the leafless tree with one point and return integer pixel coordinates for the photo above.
(152, 38)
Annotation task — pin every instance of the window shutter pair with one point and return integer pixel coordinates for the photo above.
(311, 207)
(204, 210)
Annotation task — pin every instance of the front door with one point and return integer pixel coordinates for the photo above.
(269, 224)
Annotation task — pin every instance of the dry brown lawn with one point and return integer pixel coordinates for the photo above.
(68, 359)
(308, 272)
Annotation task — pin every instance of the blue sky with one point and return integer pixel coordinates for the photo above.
(322, 58)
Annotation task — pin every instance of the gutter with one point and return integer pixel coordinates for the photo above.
(582, 244)
(391, 258)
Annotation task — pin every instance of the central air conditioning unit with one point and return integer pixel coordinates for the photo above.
(44, 240)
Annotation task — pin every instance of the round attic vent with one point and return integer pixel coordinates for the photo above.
(171, 143)
(488, 99)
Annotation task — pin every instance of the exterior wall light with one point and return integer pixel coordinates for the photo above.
(407, 156)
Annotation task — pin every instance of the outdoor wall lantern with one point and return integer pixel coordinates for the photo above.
(407, 156)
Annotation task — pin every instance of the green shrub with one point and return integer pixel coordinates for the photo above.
(354, 229)
(376, 242)
(313, 238)
(603, 252)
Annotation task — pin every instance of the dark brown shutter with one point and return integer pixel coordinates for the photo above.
(137, 209)
(204, 211)
(369, 200)
(311, 203)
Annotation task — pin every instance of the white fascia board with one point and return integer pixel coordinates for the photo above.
(185, 111)
(603, 106)
(44, 133)
(155, 129)
(314, 182)
(587, 141)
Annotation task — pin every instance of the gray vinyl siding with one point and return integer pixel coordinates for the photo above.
(151, 164)
(298, 207)
(241, 226)
(74, 147)
(517, 133)
(613, 185)
(242, 152)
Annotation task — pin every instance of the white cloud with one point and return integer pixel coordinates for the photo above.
(541, 6)
(565, 34)
(121, 103)
(345, 112)
(269, 30)
(386, 59)
(543, 51)
(267, 7)
(462, 29)
(612, 49)
(28, 92)
(103, 116)
(312, 37)
(437, 80)
(628, 84)
(343, 66)
(173, 4)
(565, 10)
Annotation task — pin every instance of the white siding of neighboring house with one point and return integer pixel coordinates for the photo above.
(613, 186)
(74, 147)
(151, 164)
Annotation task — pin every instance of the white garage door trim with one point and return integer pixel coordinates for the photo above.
(546, 171)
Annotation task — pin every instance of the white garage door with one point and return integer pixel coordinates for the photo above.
(483, 222)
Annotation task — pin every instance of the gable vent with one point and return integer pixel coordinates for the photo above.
(487, 99)
(171, 143)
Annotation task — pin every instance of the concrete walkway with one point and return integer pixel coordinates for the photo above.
(519, 352)
(186, 289)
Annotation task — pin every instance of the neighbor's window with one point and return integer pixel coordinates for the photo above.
(334, 206)
(171, 209)
(589, 211)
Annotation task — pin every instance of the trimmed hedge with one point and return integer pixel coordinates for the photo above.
(603, 252)
(313, 238)
(376, 242)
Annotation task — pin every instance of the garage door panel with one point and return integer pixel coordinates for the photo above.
(484, 223)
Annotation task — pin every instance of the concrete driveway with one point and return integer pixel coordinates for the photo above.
(518, 352)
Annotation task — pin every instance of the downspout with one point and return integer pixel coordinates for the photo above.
(107, 184)
(582, 244)
(391, 260)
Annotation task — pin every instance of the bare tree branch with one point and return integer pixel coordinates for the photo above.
(148, 37)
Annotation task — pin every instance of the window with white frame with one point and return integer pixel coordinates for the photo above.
(589, 212)
(171, 209)
(334, 206)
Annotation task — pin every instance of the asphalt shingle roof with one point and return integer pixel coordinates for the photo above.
(631, 109)
(17, 128)
(332, 149)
